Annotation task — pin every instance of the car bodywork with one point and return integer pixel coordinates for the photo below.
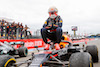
(8, 48)
(66, 38)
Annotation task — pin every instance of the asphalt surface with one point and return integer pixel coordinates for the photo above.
(95, 42)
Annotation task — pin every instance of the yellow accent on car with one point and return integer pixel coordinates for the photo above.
(66, 38)
(11, 59)
(90, 62)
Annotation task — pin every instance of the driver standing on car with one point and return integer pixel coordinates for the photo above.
(53, 20)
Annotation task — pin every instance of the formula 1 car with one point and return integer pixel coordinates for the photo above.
(8, 48)
(70, 56)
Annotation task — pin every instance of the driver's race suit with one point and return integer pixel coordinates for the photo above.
(56, 37)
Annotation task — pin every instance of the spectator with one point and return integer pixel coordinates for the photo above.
(13, 29)
(10, 31)
(21, 30)
(7, 31)
(3, 29)
(17, 25)
(3, 21)
(25, 30)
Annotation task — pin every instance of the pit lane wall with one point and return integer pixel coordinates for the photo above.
(30, 43)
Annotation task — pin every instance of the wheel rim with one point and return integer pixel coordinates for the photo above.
(10, 62)
(26, 51)
(91, 63)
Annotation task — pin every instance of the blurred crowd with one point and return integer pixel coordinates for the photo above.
(10, 30)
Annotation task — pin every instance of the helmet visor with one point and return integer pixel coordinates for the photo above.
(52, 12)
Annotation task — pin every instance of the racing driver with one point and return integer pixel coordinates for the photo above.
(52, 24)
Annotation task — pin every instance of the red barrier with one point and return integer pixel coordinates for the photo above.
(29, 43)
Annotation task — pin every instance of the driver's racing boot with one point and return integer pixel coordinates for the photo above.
(46, 47)
(57, 47)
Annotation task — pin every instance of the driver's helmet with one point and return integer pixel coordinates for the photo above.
(53, 12)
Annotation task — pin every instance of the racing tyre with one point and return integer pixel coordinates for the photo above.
(93, 50)
(7, 61)
(82, 59)
(23, 51)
